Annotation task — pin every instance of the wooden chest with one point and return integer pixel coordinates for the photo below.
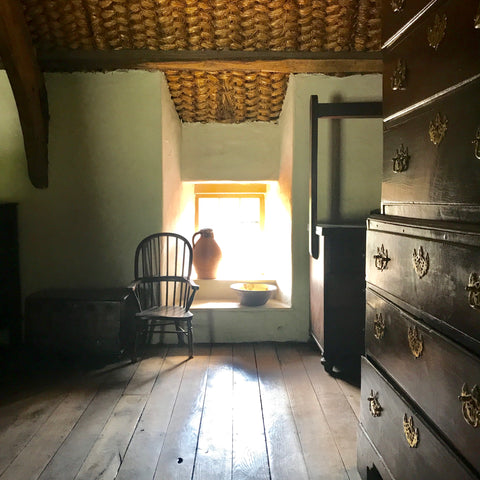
(420, 397)
(81, 321)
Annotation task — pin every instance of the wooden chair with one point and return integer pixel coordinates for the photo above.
(163, 288)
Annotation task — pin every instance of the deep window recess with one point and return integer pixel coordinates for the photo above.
(236, 213)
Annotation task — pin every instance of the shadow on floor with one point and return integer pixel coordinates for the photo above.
(25, 372)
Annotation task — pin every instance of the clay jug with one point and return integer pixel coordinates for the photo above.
(206, 254)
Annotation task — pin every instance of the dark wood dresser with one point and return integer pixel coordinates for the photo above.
(420, 386)
(337, 297)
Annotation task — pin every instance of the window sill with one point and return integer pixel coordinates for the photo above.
(217, 294)
(233, 305)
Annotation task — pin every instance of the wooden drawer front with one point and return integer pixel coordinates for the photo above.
(430, 70)
(448, 172)
(397, 13)
(369, 461)
(444, 280)
(430, 368)
(428, 457)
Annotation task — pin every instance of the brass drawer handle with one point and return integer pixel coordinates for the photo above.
(397, 5)
(398, 80)
(381, 258)
(374, 406)
(476, 142)
(401, 159)
(415, 342)
(421, 262)
(471, 404)
(437, 129)
(378, 326)
(411, 432)
(436, 32)
(473, 289)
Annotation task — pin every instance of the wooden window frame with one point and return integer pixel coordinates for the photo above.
(232, 190)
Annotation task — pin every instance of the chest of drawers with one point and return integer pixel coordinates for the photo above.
(420, 398)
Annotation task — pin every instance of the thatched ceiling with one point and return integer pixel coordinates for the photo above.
(67, 27)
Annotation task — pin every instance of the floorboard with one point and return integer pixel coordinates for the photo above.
(249, 456)
(141, 458)
(254, 411)
(177, 457)
(43, 445)
(283, 443)
(214, 453)
(322, 457)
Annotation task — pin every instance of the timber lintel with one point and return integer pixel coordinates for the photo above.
(212, 61)
(28, 86)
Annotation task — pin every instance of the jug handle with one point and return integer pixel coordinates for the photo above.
(194, 235)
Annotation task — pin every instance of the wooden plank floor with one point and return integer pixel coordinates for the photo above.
(241, 411)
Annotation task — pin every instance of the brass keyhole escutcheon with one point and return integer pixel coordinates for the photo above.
(401, 159)
(398, 80)
(378, 326)
(476, 143)
(438, 129)
(397, 5)
(411, 432)
(421, 262)
(415, 342)
(470, 405)
(374, 405)
(473, 289)
(436, 32)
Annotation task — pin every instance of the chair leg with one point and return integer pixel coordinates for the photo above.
(180, 334)
(190, 338)
(133, 353)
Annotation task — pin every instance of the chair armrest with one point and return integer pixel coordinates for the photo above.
(133, 285)
(190, 286)
(193, 284)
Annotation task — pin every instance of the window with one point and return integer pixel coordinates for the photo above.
(236, 213)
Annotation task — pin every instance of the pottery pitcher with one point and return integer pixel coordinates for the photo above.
(206, 254)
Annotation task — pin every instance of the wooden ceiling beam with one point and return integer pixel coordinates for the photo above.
(212, 61)
(26, 79)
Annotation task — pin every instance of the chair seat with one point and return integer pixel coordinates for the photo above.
(167, 312)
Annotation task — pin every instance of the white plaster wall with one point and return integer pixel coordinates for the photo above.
(244, 152)
(361, 144)
(178, 204)
(284, 208)
(105, 181)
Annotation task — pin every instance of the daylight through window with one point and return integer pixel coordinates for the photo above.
(236, 213)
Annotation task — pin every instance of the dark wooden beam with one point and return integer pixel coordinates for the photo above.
(26, 79)
(212, 61)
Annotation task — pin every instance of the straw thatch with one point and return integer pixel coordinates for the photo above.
(246, 25)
